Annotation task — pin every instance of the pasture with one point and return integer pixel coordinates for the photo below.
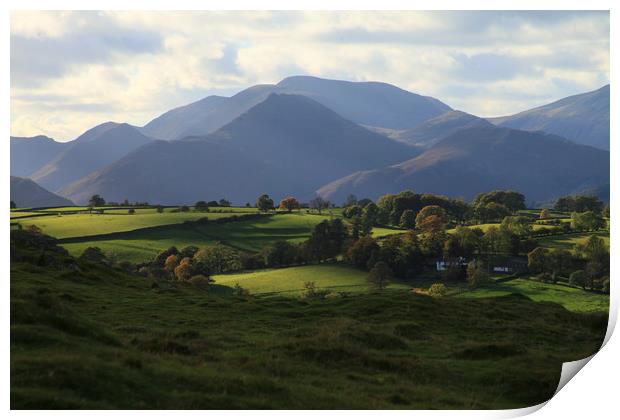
(568, 241)
(290, 281)
(99, 338)
(573, 299)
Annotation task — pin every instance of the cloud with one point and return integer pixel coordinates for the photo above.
(35, 58)
(71, 70)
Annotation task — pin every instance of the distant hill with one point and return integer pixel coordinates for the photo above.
(482, 159)
(432, 131)
(27, 193)
(368, 103)
(29, 154)
(96, 148)
(582, 118)
(287, 144)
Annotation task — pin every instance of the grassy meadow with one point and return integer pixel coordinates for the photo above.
(103, 339)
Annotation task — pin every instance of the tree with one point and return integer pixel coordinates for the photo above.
(96, 201)
(606, 211)
(160, 209)
(476, 274)
(588, 220)
(544, 214)
(352, 211)
(350, 201)
(437, 290)
(407, 220)
(217, 259)
(431, 218)
(224, 203)
(264, 203)
(13, 205)
(289, 204)
(369, 218)
(559, 261)
(319, 203)
(201, 206)
(326, 240)
(512, 200)
(361, 250)
(491, 211)
(183, 271)
(171, 263)
(537, 260)
(94, 254)
(184, 209)
(518, 225)
(380, 275)
(280, 254)
(578, 278)
(131, 211)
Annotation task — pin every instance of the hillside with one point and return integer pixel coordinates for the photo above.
(482, 159)
(432, 131)
(368, 103)
(29, 154)
(97, 337)
(90, 152)
(27, 193)
(287, 144)
(582, 118)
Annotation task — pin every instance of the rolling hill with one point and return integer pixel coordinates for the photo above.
(432, 131)
(368, 103)
(582, 118)
(287, 144)
(28, 154)
(27, 193)
(482, 159)
(96, 148)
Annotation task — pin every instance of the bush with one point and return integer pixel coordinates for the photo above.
(131, 211)
(311, 292)
(201, 281)
(437, 290)
(240, 291)
(94, 254)
(380, 275)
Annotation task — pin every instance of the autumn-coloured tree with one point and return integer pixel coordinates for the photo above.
(183, 271)
(431, 224)
(544, 214)
(289, 204)
(172, 261)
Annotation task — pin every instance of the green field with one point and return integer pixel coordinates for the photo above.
(290, 281)
(76, 225)
(569, 240)
(251, 235)
(98, 338)
(571, 298)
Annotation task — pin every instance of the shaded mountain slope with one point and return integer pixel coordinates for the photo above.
(27, 193)
(482, 159)
(582, 118)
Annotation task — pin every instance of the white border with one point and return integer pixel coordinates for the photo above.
(593, 394)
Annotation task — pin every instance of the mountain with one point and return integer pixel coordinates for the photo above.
(27, 193)
(481, 159)
(582, 118)
(368, 103)
(286, 144)
(93, 150)
(432, 131)
(28, 154)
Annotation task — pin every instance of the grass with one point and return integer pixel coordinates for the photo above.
(98, 338)
(568, 241)
(290, 281)
(77, 225)
(571, 298)
(247, 235)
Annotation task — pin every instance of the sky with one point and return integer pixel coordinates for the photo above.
(73, 70)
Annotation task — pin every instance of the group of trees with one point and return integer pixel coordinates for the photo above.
(579, 204)
(587, 266)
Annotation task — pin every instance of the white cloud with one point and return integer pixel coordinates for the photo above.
(72, 70)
